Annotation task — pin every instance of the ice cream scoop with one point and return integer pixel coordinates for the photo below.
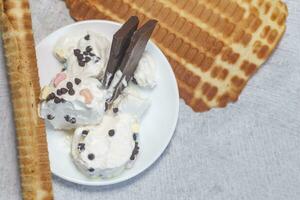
(108, 148)
(84, 54)
(131, 102)
(145, 74)
(73, 101)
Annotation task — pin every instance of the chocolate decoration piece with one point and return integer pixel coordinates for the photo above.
(136, 49)
(133, 55)
(121, 41)
(117, 91)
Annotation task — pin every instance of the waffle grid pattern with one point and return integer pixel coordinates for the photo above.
(24, 83)
(214, 46)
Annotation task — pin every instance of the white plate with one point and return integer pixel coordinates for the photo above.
(158, 124)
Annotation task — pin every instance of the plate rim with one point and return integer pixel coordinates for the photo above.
(173, 128)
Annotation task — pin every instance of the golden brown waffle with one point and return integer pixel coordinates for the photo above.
(214, 46)
(24, 83)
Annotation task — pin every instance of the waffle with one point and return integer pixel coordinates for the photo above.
(24, 83)
(214, 46)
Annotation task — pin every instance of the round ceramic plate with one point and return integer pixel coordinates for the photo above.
(157, 126)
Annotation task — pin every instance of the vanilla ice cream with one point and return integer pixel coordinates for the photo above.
(83, 54)
(131, 102)
(105, 140)
(73, 101)
(106, 149)
(145, 74)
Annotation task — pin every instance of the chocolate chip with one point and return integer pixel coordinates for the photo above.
(76, 52)
(91, 169)
(134, 81)
(87, 59)
(88, 48)
(81, 63)
(115, 110)
(106, 106)
(77, 81)
(81, 147)
(67, 118)
(85, 53)
(79, 56)
(63, 100)
(87, 37)
(135, 151)
(50, 96)
(63, 90)
(50, 117)
(69, 85)
(134, 136)
(71, 92)
(111, 132)
(58, 92)
(91, 54)
(72, 120)
(97, 59)
(85, 132)
(91, 156)
(57, 100)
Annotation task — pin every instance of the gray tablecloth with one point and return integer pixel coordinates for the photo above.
(249, 151)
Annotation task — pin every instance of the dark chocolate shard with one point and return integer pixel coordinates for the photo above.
(133, 55)
(120, 43)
